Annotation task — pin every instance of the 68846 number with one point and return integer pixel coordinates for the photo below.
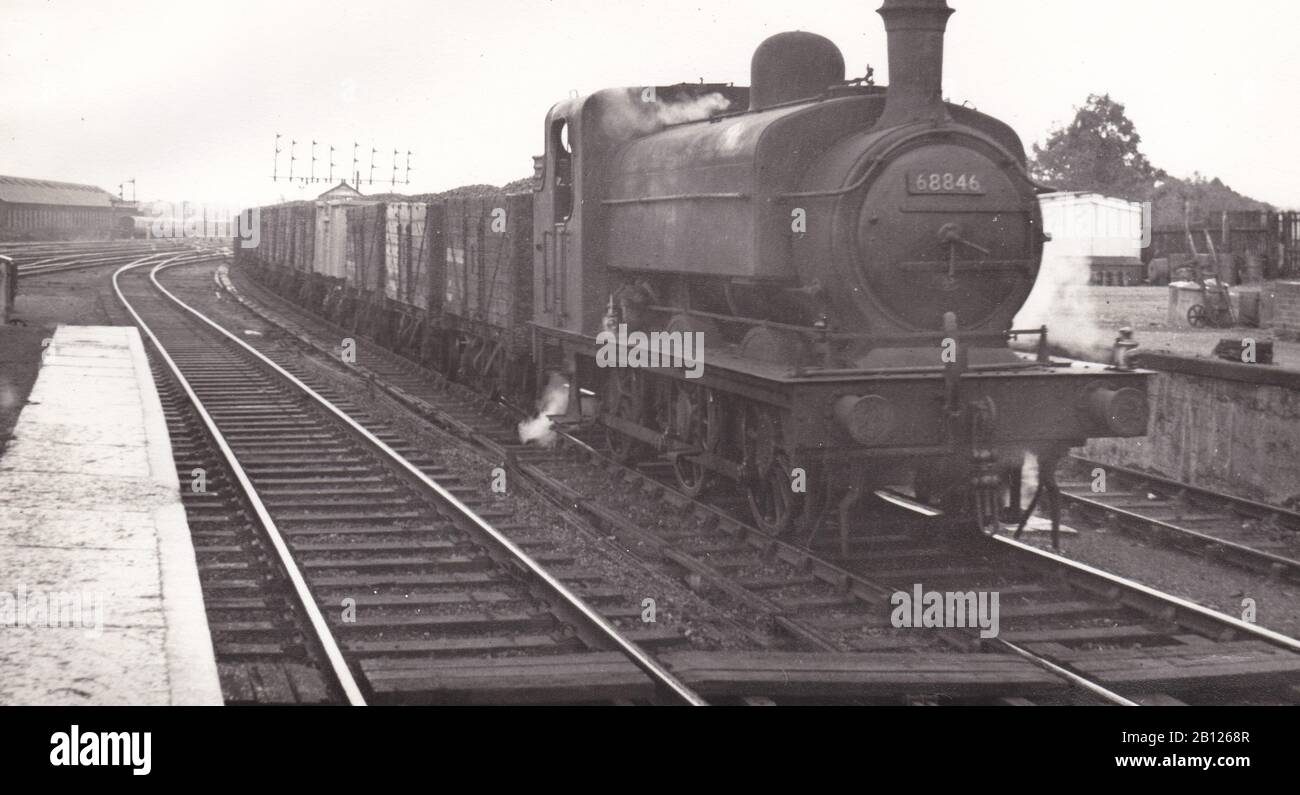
(945, 182)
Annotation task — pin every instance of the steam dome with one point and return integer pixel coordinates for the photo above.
(793, 65)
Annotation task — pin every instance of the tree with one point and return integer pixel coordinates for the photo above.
(1202, 198)
(1099, 151)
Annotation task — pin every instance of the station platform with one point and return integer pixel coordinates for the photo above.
(99, 590)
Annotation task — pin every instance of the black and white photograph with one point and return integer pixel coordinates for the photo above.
(466, 355)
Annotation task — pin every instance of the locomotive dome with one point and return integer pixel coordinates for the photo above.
(791, 66)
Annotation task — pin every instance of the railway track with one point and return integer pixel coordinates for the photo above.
(807, 611)
(859, 656)
(1114, 639)
(405, 589)
(265, 651)
(45, 259)
(1260, 538)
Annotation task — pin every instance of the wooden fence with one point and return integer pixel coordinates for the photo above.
(1273, 237)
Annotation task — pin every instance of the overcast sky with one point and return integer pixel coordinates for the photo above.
(187, 97)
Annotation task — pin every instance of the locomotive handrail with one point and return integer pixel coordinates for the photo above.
(546, 270)
(839, 336)
(905, 135)
(677, 197)
(917, 370)
(833, 192)
(968, 265)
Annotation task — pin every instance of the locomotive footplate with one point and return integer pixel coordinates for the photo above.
(955, 435)
(885, 414)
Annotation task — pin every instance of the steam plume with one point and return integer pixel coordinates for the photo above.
(1062, 301)
(631, 115)
(555, 400)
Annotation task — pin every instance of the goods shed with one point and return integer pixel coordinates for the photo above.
(42, 209)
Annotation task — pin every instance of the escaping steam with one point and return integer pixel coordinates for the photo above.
(555, 400)
(1028, 478)
(635, 114)
(1062, 301)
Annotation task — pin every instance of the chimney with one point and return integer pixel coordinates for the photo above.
(915, 29)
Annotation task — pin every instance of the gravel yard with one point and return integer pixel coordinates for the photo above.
(1147, 309)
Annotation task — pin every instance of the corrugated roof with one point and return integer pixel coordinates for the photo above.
(21, 190)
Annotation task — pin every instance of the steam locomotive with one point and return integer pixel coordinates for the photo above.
(850, 258)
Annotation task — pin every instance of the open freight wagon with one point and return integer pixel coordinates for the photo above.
(447, 282)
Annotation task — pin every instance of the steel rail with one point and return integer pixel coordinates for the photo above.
(80, 261)
(809, 556)
(752, 532)
(1151, 595)
(339, 667)
(1258, 510)
(805, 555)
(1237, 553)
(1096, 689)
(1146, 592)
(650, 666)
(1234, 552)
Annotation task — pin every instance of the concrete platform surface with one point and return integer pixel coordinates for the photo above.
(99, 589)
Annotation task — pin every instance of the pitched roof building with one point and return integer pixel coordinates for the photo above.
(43, 209)
(21, 190)
(340, 191)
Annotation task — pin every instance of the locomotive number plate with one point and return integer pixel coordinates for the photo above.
(958, 182)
